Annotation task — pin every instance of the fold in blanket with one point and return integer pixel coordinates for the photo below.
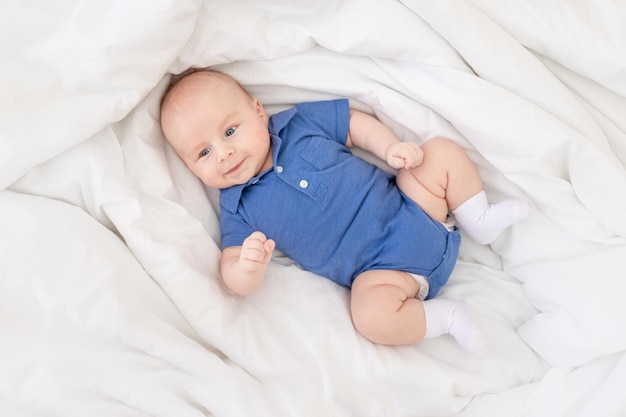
(111, 300)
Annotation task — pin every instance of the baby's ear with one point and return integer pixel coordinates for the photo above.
(260, 110)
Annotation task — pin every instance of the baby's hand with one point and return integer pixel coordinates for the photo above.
(256, 252)
(405, 155)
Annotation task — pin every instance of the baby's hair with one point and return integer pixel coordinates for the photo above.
(176, 78)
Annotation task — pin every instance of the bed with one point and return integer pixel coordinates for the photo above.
(110, 297)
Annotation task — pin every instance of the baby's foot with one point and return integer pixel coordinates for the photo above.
(456, 319)
(484, 222)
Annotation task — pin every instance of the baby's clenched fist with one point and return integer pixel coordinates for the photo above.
(256, 252)
(405, 155)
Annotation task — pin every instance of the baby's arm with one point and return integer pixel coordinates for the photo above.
(371, 135)
(243, 267)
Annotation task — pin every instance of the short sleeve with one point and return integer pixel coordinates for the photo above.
(234, 229)
(330, 117)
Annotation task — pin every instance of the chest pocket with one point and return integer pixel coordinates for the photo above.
(321, 153)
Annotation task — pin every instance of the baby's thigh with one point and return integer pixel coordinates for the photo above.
(384, 308)
(427, 184)
(382, 291)
(426, 194)
(374, 279)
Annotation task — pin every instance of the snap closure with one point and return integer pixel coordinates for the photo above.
(279, 169)
(304, 183)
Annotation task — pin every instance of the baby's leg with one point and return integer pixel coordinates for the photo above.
(445, 179)
(448, 180)
(385, 311)
(384, 307)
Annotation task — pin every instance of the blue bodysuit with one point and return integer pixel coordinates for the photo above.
(331, 212)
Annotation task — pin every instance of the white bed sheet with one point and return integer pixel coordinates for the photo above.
(110, 299)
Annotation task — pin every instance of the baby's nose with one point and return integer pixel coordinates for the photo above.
(226, 152)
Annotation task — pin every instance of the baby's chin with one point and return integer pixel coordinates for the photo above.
(227, 184)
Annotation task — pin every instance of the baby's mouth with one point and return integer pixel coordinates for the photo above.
(234, 168)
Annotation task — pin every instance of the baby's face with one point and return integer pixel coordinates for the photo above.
(221, 135)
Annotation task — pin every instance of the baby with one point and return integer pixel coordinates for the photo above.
(290, 182)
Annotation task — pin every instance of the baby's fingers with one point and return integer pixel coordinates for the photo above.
(269, 246)
(404, 155)
(257, 248)
(253, 255)
(413, 156)
(396, 162)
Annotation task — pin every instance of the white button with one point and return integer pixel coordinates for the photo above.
(304, 183)
(279, 169)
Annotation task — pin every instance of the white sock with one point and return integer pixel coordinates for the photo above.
(453, 318)
(484, 222)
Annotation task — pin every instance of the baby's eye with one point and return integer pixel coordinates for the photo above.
(230, 131)
(204, 152)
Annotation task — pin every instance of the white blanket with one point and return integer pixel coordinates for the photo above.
(110, 297)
